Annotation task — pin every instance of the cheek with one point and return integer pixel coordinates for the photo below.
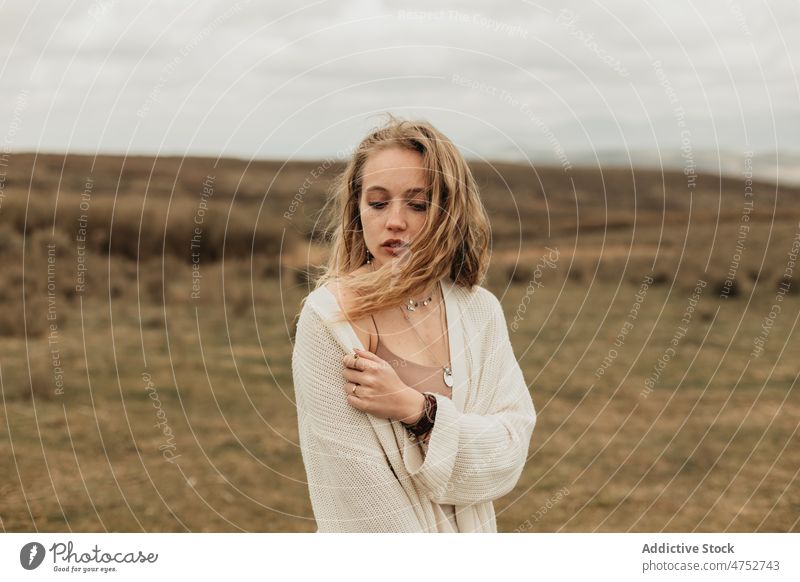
(366, 217)
(416, 221)
(368, 220)
(370, 225)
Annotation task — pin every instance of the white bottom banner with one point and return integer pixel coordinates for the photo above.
(640, 556)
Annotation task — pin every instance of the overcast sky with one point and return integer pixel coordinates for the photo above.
(513, 80)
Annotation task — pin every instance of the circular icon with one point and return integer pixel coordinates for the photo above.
(31, 555)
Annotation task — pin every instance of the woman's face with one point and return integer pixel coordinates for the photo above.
(394, 202)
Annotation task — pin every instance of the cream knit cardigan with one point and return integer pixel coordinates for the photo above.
(364, 473)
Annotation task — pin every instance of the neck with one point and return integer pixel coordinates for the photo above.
(430, 290)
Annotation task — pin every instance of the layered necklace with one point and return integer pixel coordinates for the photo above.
(412, 305)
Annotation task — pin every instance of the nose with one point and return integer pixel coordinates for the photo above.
(396, 218)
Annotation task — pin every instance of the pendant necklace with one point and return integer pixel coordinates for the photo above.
(447, 370)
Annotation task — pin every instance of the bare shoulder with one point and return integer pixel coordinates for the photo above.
(347, 298)
(342, 291)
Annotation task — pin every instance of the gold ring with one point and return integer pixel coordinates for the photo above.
(355, 356)
(353, 391)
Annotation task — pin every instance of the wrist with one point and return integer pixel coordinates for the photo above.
(424, 423)
(415, 408)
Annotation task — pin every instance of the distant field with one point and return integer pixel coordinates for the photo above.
(705, 440)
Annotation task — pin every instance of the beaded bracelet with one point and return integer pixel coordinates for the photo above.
(425, 422)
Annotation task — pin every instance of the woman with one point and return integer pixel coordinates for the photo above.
(413, 412)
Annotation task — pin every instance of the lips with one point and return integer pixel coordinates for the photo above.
(394, 246)
(394, 243)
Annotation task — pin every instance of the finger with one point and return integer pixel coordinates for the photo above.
(348, 388)
(367, 355)
(353, 376)
(354, 363)
(370, 360)
(361, 364)
(357, 403)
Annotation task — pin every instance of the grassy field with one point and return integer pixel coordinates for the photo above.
(712, 447)
(131, 406)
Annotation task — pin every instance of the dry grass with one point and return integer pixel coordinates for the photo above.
(713, 447)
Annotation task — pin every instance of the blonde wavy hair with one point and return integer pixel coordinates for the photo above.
(454, 239)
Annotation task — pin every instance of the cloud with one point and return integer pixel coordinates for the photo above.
(286, 79)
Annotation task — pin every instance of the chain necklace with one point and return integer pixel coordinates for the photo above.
(412, 304)
(447, 370)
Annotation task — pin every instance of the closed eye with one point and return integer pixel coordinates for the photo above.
(419, 207)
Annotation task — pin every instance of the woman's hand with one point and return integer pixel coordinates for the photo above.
(379, 390)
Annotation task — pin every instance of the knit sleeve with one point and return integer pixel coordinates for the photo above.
(350, 481)
(473, 458)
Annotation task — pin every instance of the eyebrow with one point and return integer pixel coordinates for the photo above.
(417, 190)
